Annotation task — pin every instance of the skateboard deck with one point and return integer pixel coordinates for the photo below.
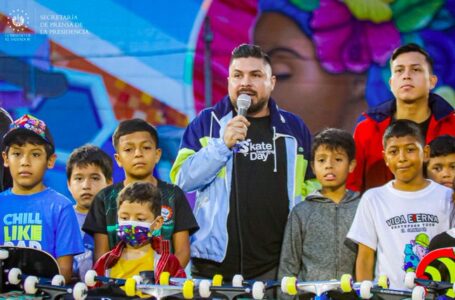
(30, 261)
(435, 273)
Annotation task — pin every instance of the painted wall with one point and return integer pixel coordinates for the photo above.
(84, 65)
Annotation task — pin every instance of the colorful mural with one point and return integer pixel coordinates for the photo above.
(83, 66)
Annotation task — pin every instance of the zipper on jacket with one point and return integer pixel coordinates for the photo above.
(274, 150)
(337, 240)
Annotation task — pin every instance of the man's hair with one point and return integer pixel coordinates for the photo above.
(247, 50)
(131, 126)
(412, 48)
(442, 145)
(89, 155)
(334, 139)
(143, 193)
(402, 128)
(22, 139)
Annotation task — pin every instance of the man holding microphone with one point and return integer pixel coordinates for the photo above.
(248, 162)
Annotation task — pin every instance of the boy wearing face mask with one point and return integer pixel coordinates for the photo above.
(140, 248)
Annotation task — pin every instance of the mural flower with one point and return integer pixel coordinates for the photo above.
(344, 43)
(377, 11)
(412, 15)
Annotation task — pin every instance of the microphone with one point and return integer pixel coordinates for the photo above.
(243, 103)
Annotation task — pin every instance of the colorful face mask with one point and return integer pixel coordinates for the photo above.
(135, 233)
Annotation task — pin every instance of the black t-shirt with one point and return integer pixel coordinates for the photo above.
(102, 216)
(262, 209)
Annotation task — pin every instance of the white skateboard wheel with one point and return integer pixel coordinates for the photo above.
(418, 293)
(4, 254)
(30, 284)
(58, 280)
(365, 289)
(89, 278)
(80, 291)
(346, 283)
(409, 280)
(258, 291)
(237, 280)
(204, 288)
(14, 276)
(284, 282)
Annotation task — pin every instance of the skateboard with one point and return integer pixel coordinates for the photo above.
(434, 275)
(35, 271)
(291, 286)
(368, 289)
(189, 288)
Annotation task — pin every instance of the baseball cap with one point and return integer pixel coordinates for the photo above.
(29, 125)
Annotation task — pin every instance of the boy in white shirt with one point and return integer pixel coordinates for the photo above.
(395, 222)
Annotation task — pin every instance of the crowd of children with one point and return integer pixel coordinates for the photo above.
(144, 224)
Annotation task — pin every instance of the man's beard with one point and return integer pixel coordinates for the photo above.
(256, 107)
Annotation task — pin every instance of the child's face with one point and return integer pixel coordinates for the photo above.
(134, 211)
(442, 169)
(85, 182)
(137, 154)
(332, 167)
(405, 157)
(27, 164)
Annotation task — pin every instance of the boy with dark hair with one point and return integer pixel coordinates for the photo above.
(34, 215)
(139, 250)
(137, 152)
(441, 166)
(396, 221)
(411, 82)
(327, 212)
(88, 170)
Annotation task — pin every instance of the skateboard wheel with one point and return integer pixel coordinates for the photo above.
(188, 289)
(90, 277)
(130, 287)
(30, 284)
(14, 276)
(291, 286)
(164, 278)
(237, 280)
(58, 280)
(204, 288)
(4, 254)
(80, 291)
(409, 280)
(346, 283)
(258, 291)
(365, 289)
(217, 280)
(383, 281)
(284, 281)
(418, 293)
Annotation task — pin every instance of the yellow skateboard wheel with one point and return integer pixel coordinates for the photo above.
(291, 286)
(217, 280)
(383, 281)
(130, 287)
(346, 283)
(188, 289)
(164, 278)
